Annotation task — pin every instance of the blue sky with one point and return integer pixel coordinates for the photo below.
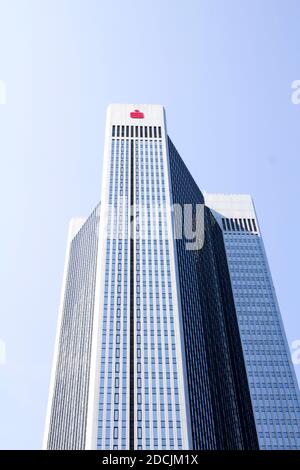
(223, 70)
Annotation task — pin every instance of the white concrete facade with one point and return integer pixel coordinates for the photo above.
(137, 160)
(74, 227)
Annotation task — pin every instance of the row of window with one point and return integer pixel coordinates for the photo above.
(239, 225)
(70, 394)
(137, 131)
(113, 396)
(152, 262)
(263, 344)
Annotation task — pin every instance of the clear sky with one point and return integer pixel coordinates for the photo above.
(223, 70)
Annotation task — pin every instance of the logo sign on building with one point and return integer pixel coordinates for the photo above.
(136, 114)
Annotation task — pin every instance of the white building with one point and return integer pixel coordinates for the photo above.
(148, 352)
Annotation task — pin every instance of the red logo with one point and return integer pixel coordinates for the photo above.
(136, 114)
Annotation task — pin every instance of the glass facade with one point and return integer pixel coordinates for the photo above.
(274, 392)
(220, 405)
(69, 400)
(114, 360)
(139, 399)
(157, 392)
(160, 346)
(272, 381)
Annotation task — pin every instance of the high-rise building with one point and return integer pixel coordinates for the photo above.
(150, 350)
(271, 376)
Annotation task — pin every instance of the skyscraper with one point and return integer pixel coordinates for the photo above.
(148, 351)
(271, 376)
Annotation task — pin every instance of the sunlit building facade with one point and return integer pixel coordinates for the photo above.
(150, 350)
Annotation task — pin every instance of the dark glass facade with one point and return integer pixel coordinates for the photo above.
(219, 398)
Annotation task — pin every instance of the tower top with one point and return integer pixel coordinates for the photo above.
(135, 114)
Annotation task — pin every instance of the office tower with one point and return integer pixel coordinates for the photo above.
(150, 350)
(272, 381)
(68, 397)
